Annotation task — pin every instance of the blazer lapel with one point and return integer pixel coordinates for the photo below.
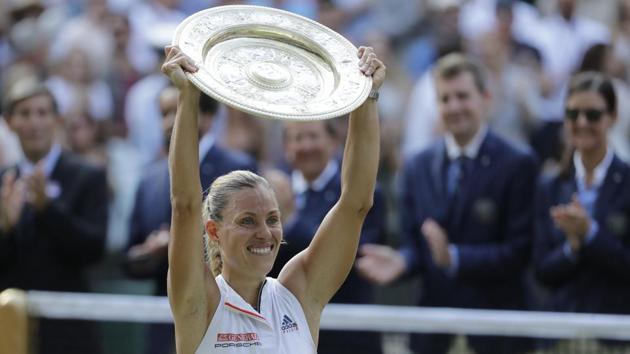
(609, 188)
(438, 180)
(476, 174)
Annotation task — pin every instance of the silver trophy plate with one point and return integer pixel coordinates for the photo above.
(272, 63)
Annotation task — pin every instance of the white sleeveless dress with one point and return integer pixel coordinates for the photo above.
(279, 328)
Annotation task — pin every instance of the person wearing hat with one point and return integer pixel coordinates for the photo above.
(53, 215)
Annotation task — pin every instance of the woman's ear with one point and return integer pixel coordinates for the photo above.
(211, 230)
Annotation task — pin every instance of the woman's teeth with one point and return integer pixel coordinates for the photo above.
(260, 250)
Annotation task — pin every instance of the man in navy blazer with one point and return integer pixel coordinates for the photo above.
(53, 215)
(151, 217)
(467, 214)
(310, 149)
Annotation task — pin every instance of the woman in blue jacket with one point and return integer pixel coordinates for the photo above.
(582, 241)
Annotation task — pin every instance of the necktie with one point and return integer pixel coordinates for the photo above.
(457, 173)
(304, 198)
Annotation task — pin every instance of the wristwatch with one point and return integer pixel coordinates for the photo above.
(374, 95)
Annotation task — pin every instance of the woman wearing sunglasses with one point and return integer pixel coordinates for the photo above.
(582, 241)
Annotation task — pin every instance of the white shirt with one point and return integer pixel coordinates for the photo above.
(279, 327)
(453, 150)
(300, 184)
(599, 173)
(48, 162)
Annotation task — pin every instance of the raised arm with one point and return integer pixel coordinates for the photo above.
(315, 274)
(192, 291)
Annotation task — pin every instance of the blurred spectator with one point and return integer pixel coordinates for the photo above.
(397, 18)
(621, 44)
(33, 24)
(306, 8)
(563, 37)
(88, 31)
(53, 215)
(504, 30)
(421, 126)
(150, 223)
(142, 111)
(149, 16)
(601, 58)
(344, 16)
(391, 106)
(466, 214)
(5, 51)
(310, 149)
(582, 248)
(123, 72)
(513, 69)
(246, 133)
(82, 138)
(281, 186)
(443, 37)
(75, 86)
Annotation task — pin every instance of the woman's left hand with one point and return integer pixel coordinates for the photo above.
(370, 65)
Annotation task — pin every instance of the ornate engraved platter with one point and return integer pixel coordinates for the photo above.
(272, 63)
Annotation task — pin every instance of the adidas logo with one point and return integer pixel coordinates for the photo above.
(288, 325)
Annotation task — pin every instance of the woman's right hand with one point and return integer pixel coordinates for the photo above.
(176, 65)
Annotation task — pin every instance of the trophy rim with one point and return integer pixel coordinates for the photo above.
(214, 89)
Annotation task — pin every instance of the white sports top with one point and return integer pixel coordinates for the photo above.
(279, 328)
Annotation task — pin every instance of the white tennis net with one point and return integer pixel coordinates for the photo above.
(380, 318)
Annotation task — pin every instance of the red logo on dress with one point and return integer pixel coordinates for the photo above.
(236, 337)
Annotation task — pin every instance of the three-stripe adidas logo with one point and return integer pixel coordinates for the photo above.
(288, 325)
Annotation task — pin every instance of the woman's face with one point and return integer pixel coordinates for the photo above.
(250, 233)
(587, 121)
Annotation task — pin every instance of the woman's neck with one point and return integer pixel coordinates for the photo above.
(247, 287)
(591, 159)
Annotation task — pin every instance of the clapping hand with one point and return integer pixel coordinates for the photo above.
(573, 220)
(380, 264)
(12, 199)
(36, 189)
(437, 239)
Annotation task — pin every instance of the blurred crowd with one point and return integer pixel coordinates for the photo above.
(93, 159)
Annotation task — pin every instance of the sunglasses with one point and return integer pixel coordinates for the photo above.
(592, 114)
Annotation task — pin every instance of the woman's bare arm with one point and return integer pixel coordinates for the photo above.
(315, 274)
(193, 294)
